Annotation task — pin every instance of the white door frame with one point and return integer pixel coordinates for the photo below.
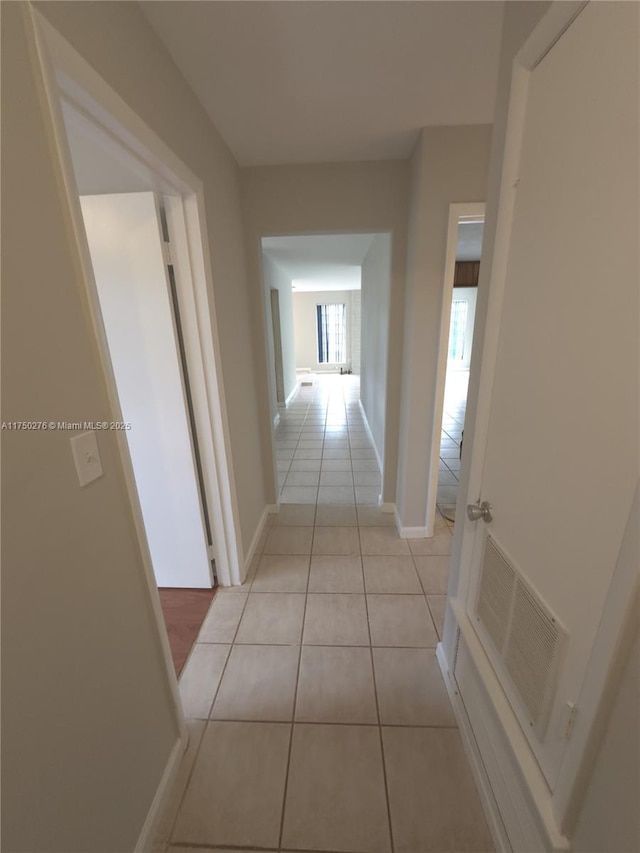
(65, 73)
(553, 807)
(458, 212)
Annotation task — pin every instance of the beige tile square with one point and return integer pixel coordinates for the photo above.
(391, 575)
(336, 620)
(331, 443)
(236, 790)
(438, 544)
(437, 606)
(367, 495)
(329, 515)
(200, 679)
(259, 683)
(366, 463)
(299, 495)
(336, 794)
(305, 465)
(336, 541)
(434, 574)
(312, 453)
(335, 685)
(336, 495)
(411, 691)
(223, 618)
(362, 443)
(335, 465)
(401, 620)
(371, 516)
(272, 618)
(382, 541)
(336, 454)
(289, 540)
(303, 478)
(367, 478)
(282, 573)
(336, 574)
(336, 478)
(433, 799)
(294, 515)
(195, 730)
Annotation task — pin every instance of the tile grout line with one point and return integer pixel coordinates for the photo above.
(295, 695)
(251, 721)
(375, 693)
(206, 721)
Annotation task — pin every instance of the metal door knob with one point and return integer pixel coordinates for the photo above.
(477, 511)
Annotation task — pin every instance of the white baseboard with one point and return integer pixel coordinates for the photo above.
(268, 510)
(412, 532)
(383, 507)
(289, 399)
(147, 835)
(276, 420)
(406, 532)
(370, 434)
(489, 805)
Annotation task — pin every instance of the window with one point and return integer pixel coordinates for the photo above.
(331, 333)
(457, 329)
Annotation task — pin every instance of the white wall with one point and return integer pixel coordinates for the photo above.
(331, 198)
(88, 719)
(449, 165)
(276, 279)
(178, 118)
(356, 330)
(375, 305)
(306, 325)
(610, 819)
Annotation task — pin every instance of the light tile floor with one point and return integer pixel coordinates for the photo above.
(455, 405)
(317, 714)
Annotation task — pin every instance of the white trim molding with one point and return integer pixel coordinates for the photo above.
(270, 509)
(373, 442)
(515, 796)
(161, 797)
(292, 395)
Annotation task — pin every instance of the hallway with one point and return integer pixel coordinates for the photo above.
(317, 715)
(455, 406)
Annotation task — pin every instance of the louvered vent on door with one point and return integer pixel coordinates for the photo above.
(522, 637)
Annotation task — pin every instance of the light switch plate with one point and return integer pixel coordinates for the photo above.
(86, 456)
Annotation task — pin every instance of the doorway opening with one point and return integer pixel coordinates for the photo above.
(464, 249)
(150, 308)
(326, 321)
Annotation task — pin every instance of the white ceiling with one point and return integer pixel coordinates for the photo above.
(316, 263)
(302, 82)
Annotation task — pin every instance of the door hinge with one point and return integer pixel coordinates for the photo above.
(571, 713)
(166, 247)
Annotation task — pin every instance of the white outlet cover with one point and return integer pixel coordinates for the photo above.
(86, 457)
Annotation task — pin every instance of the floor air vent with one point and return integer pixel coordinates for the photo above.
(522, 637)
